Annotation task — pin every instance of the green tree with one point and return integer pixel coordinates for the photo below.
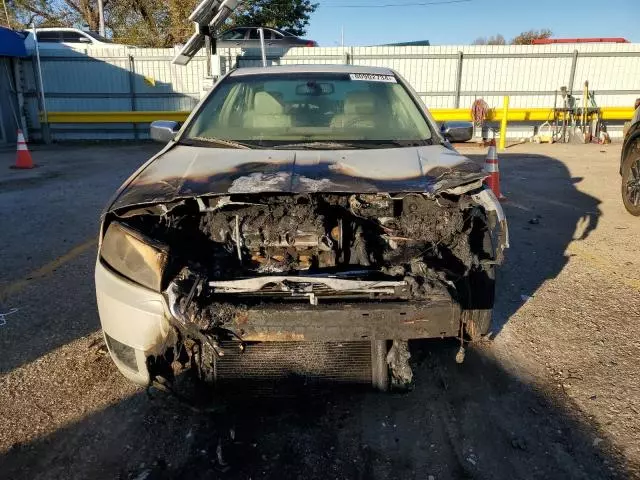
(289, 15)
(527, 38)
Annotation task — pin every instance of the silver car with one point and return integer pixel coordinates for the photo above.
(249, 37)
(304, 222)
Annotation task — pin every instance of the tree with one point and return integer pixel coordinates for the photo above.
(494, 40)
(156, 23)
(527, 38)
(289, 15)
(53, 12)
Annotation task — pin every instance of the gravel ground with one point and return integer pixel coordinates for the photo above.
(554, 394)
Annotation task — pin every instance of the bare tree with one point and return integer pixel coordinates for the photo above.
(497, 39)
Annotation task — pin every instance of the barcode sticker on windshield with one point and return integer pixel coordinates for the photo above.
(373, 77)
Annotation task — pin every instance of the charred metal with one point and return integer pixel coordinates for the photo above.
(319, 267)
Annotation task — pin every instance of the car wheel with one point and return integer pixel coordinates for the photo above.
(478, 309)
(631, 180)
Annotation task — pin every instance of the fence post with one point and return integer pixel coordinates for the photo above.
(503, 123)
(132, 92)
(572, 75)
(458, 80)
(19, 83)
(45, 130)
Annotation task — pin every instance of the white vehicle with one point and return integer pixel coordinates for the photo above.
(305, 221)
(59, 37)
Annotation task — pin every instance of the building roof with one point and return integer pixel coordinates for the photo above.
(547, 41)
(11, 43)
(415, 43)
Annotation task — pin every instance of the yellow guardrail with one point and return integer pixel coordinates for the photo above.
(440, 115)
(113, 117)
(524, 114)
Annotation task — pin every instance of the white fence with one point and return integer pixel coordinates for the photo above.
(444, 76)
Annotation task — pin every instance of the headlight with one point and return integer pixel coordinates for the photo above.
(134, 255)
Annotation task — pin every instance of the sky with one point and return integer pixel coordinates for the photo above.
(461, 23)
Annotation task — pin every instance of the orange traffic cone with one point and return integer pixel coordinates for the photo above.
(23, 159)
(491, 167)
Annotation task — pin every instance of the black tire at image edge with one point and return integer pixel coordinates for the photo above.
(631, 158)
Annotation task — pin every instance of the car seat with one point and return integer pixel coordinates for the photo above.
(267, 113)
(359, 112)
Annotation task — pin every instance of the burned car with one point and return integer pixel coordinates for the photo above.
(305, 221)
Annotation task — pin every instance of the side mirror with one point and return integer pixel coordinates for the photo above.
(84, 40)
(163, 131)
(457, 131)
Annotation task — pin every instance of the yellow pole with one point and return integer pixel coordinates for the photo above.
(503, 124)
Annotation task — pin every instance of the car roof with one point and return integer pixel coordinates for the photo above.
(245, 27)
(56, 29)
(311, 69)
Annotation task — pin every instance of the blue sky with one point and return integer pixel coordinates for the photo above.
(461, 23)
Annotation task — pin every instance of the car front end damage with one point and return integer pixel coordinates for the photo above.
(311, 283)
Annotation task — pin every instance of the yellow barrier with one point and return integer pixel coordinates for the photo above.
(503, 123)
(113, 117)
(439, 114)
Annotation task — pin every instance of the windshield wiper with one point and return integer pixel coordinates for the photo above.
(318, 146)
(217, 141)
(400, 143)
(364, 144)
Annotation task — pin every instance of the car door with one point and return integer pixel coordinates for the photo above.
(253, 40)
(234, 38)
(274, 39)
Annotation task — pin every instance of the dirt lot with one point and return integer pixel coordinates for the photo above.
(554, 394)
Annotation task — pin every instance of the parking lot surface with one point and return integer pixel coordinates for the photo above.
(555, 393)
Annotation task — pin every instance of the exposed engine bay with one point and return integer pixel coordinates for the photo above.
(233, 266)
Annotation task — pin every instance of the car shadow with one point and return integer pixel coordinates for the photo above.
(475, 420)
(546, 213)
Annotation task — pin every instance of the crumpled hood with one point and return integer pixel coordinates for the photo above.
(187, 171)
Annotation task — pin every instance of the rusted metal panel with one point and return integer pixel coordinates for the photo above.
(334, 322)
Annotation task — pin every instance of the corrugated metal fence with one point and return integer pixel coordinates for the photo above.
(445, 77)
(110, 80)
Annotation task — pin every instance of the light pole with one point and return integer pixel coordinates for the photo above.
(101, 17)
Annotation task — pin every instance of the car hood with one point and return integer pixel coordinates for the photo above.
(188, 171)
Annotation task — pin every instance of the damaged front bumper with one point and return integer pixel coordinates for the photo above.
(345, 269)
(134, 322)
(291, 320)
(256, 341)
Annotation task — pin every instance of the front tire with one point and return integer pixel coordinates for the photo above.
(631, 180)
(478, 306)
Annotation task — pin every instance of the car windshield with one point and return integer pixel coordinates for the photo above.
(309, 110)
